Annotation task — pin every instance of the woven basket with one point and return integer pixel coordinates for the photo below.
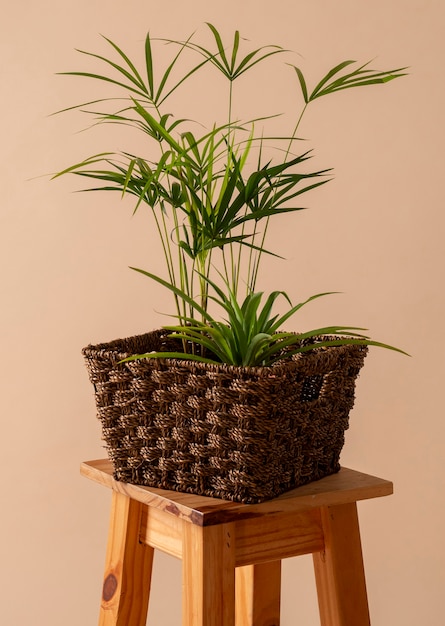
(240, 433)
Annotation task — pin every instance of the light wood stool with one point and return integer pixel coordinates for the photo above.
(213, 537)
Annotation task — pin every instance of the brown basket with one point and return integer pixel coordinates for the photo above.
(240, 433)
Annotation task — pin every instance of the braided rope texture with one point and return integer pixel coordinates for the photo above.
(245, 434)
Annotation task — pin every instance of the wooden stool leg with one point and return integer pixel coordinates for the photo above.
(339, 569)
(128, 567)
(258, 594)
(208, 575)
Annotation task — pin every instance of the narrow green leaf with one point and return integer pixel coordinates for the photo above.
(128, 62)
(97, 158)
(170, 355)
(255, 349)
(359, 83)
(158, 127)
(244, 66)
(219, 45)
(158, 100)
(234, 51)
(149, 65)
(179, 292)
(128, 175)
(302, 83)
(328, 76)
(283, 318)
(350, 342)
(106, 79)
(264, 320)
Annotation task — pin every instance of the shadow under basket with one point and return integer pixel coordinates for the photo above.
(245, 434)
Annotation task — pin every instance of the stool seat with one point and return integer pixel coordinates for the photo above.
(231, 552)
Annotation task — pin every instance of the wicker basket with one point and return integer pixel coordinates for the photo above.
(240, 433)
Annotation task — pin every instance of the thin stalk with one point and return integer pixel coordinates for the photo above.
(294, 134)
(208, 263)
(166, 243)
(230, 144)
(240, 254)
(286, 156)
(167, 251)
(202, 285)
(251, 277)
(252, 256)
(226, 271)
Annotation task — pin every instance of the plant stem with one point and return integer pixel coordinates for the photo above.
(286, 156)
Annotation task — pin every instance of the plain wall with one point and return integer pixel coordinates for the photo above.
(375, 233)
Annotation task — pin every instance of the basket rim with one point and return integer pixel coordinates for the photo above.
(115, 346)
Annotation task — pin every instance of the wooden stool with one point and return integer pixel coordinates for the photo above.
(213, 537)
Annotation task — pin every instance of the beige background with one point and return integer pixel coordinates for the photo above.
(376, 233)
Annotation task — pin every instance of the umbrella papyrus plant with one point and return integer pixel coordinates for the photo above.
(213, 189)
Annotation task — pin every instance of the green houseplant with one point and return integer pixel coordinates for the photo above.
(212, 192)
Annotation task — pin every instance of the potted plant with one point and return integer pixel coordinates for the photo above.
(223, 401)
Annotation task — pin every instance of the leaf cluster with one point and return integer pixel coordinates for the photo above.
(250, 335)
(211, 194)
